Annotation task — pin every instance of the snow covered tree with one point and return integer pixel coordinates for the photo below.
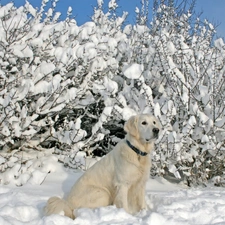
(66, 90)
(191, 94)
(50, 75)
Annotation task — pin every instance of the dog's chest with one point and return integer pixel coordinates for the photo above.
(142, 166)
(132, 165)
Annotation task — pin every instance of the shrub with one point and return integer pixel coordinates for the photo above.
(67, 89)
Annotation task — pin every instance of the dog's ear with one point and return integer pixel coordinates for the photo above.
(131, 126)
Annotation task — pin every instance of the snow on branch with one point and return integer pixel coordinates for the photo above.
(66, 90)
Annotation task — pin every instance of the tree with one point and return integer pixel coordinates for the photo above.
(67, 90)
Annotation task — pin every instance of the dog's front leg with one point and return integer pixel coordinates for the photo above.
(137, 194)
(141, 198)
(121, 200)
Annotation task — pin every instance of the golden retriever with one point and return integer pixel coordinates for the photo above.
(119, 178)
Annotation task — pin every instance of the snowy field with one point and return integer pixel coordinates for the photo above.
(169, 204)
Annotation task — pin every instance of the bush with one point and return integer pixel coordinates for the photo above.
(67, 89)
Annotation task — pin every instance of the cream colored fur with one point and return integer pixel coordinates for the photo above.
(119, 178)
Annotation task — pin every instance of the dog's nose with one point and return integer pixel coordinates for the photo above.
(155, 130)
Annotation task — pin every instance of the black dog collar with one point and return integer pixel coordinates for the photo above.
(135, 149)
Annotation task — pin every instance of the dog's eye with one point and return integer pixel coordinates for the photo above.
(154, 122)
(144, 123)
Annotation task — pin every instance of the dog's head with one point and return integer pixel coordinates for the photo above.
(143, 127)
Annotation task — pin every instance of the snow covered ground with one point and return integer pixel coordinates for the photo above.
(170, 204)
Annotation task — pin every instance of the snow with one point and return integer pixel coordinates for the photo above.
(171, 48)
(133, 71)
(5, 131)
(219, 43)
(112, 4)
(169, 204)
(157, 111)
(50, 68)
(126, 112)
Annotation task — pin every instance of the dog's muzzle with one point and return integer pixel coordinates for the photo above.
(155, 135)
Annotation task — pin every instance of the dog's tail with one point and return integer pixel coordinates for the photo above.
(57, 205)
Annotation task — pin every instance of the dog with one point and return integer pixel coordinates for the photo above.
(119, 178)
